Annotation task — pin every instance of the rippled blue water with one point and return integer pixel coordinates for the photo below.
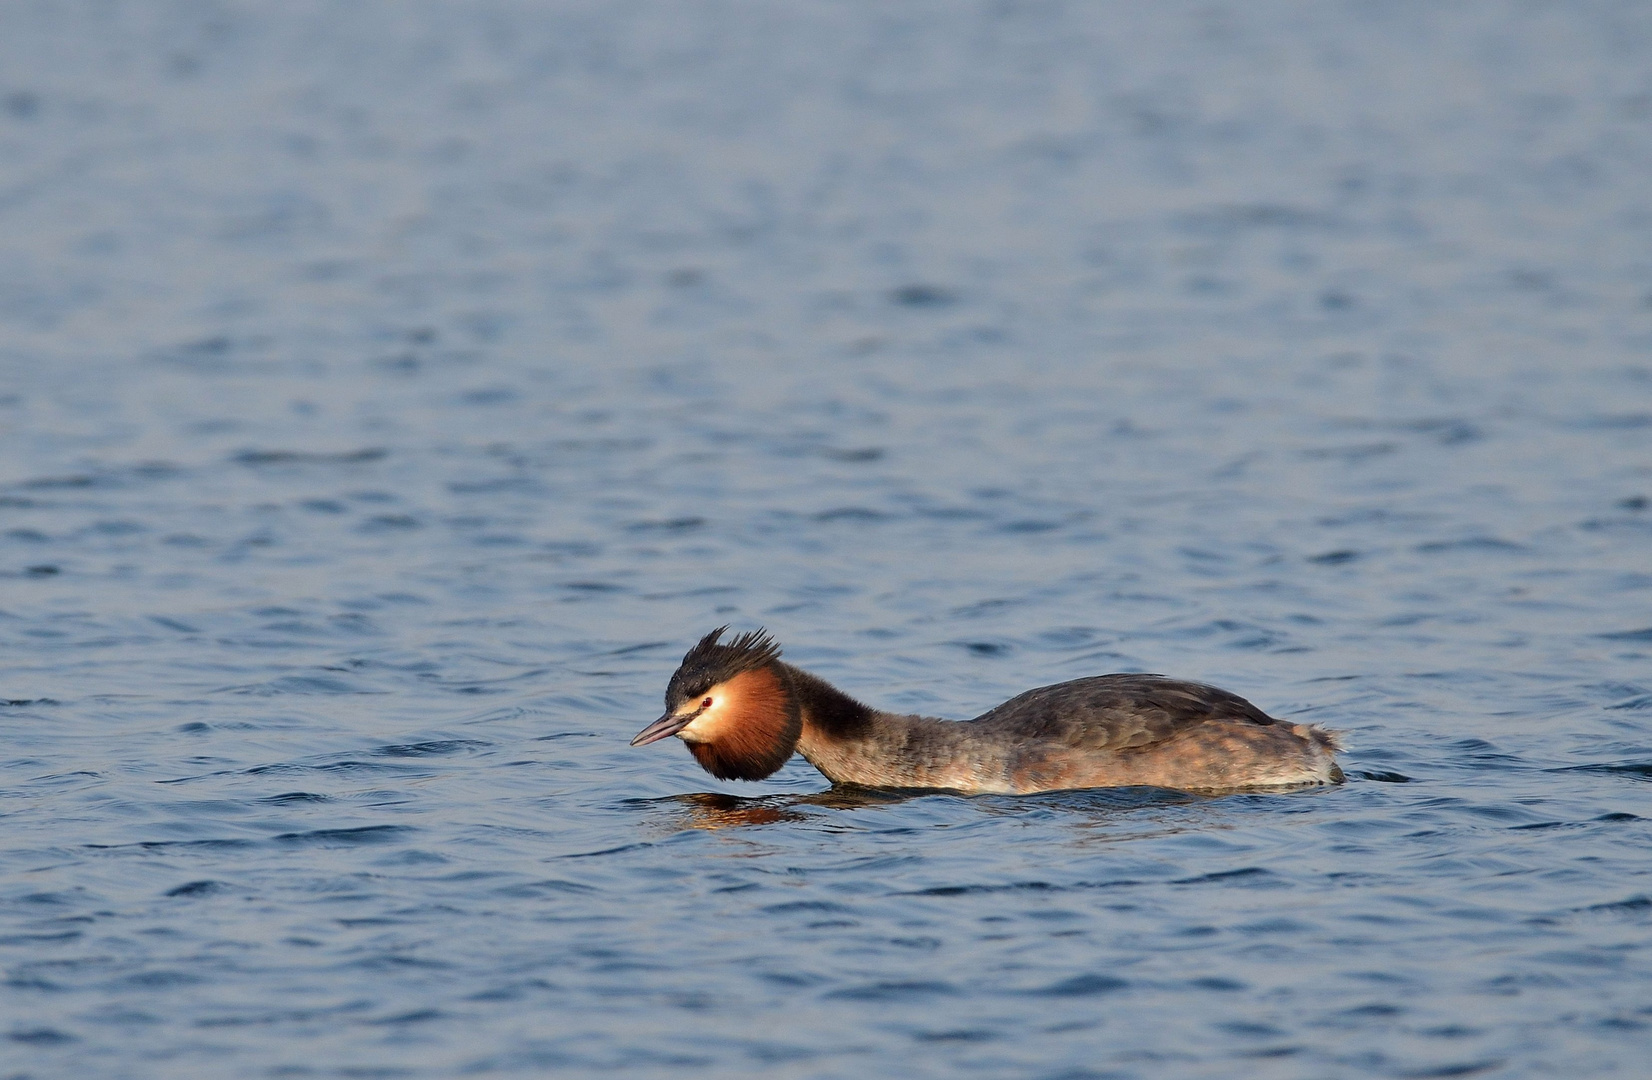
(392, 392)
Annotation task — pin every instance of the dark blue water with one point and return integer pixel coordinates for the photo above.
(392, 392)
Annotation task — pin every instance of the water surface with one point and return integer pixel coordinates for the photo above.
(392, 393)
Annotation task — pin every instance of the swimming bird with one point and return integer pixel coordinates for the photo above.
(743, 713)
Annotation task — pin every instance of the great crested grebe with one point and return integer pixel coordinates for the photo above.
(742, 713)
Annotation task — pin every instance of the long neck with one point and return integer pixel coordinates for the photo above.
(851, 743)
(827, 711)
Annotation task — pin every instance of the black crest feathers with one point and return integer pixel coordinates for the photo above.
(709, 662)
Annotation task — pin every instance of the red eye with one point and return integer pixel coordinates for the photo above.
(706, 704)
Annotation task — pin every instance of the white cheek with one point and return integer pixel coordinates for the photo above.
(703, 728)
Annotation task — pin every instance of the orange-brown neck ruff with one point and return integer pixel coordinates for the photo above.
(754, 730)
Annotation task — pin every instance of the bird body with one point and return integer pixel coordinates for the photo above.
(743, 712)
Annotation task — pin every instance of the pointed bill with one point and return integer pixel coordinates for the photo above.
(663, 728)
